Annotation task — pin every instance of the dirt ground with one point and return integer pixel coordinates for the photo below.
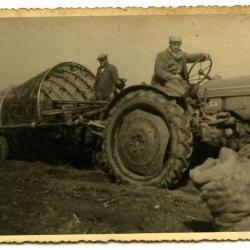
(38, 198)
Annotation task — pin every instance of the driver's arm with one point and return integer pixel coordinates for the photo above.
(191, 58)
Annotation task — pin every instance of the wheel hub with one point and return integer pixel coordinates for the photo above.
(141, 142)
(137, 143)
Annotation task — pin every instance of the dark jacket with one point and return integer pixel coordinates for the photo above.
(105, 81)
(166, 66)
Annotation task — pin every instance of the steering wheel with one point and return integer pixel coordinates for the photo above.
(199, 71)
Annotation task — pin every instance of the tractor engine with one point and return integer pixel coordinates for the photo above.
(223, 118)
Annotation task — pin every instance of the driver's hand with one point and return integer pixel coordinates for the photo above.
(207, 56)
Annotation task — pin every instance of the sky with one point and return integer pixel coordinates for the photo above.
(29, 45)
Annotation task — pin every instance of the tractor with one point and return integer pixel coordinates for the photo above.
(144, 136)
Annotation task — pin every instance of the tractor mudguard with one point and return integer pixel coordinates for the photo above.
(168, 92)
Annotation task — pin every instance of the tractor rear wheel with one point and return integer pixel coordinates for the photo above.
(147, 140)
(4, 148)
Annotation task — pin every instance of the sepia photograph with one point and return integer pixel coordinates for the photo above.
(121, 123)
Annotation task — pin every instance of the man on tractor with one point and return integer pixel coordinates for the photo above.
(171, 66)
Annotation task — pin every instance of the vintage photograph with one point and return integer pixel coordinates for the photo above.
(124, 124)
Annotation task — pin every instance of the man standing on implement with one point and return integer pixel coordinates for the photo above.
(106, 78)
(171, 66)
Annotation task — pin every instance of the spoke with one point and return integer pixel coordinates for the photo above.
(196, 79)
(193, 75)
(207, 67)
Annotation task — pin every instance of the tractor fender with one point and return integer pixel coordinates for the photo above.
(168, 92)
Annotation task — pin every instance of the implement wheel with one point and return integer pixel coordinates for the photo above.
(147, 140)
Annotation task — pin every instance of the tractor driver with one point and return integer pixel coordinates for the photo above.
(106, 79)
(171, 66)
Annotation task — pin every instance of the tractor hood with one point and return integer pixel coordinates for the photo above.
(234, 86)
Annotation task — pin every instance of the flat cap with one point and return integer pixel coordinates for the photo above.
(102, 56)
(175, 39)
